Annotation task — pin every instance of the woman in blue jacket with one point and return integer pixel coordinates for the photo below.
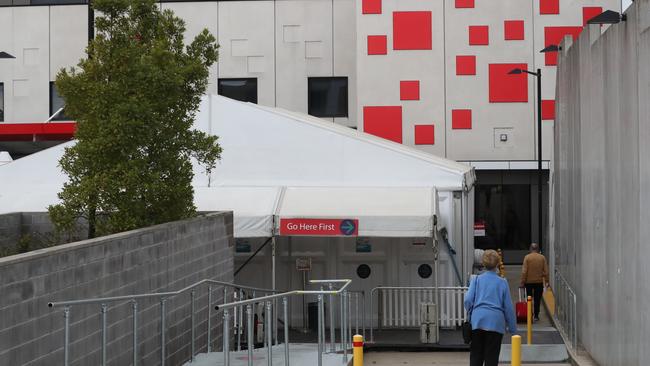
(490, 309)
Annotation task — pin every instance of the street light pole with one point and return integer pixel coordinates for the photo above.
(539, 157)
(538, 75)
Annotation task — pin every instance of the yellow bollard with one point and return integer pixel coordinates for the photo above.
(516, 351)
(529, 319)
(357, 353)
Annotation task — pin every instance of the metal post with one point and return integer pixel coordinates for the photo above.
(104, 309)
(356, 311)
(363, 314)
(192, 297)
(349, 338)
(372, 325)
(539, 157)
(135, 332)
(332, 334)
(240, 320)
(320, 328)
(209, 316)
(249, 335)
(66, 336)
(285, 317)
(341, 324)
(226, 337)
(269, 335)
(344, 326)
(162, 332)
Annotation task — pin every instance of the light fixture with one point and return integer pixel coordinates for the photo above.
(551, 48)
(514, 72)
(4, 54)
(608, 17)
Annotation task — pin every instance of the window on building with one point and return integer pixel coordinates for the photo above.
(56, 102)
(243, 89)
(2, 102)
(328, 96)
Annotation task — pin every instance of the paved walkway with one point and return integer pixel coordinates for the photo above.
(425, 358)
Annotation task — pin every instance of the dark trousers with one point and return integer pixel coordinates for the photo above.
(485, 348)
(535, 290)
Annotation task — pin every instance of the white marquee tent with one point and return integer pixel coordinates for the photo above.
(279, 164)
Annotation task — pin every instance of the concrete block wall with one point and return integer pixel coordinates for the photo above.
(9, 230)
(166, 257)
(601, 185)
(36, 228)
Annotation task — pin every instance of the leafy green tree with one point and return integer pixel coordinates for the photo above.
(134, 99)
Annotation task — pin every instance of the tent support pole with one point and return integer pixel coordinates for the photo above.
(435, 265)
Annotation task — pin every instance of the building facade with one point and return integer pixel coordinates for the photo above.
(429, 74)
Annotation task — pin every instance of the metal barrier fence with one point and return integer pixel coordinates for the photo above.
(398, 307)
(566, 308)
(238, 311)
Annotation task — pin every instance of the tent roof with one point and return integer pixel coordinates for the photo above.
(266, 149)
(275, 147)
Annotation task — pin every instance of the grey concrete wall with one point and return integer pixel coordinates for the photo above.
(9, 230)
(601, 185)
(35, 229)
(160, 258)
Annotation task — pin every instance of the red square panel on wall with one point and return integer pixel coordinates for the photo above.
(513, 30)
(412, 30)
(548, 109)
(553, 36)
(425, 134)
(409, 90)
(549, 6)
(479, 35)
(377, 45)
(464, 3)
(383, 121)
(589, 12)
(465, 65)
(506, 88)
(371, 7)
(461, 119)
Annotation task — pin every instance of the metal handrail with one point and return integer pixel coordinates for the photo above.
(160, 296)
(566, 298)
(103, 300)
(288, 293)
(436, 289)
(238, 292)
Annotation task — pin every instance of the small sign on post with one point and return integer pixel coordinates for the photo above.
(303, 264)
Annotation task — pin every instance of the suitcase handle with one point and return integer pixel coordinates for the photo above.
(519, 290)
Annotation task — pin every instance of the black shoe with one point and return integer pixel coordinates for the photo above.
(536, 319)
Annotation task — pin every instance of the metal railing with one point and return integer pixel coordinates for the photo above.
(244, 300)
(345, 325)
(398, 307)
(566, 308)
(237, 291)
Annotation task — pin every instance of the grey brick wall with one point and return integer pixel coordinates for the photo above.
(9, 230)
(166, 257)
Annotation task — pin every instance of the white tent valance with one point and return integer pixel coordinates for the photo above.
(380, 211)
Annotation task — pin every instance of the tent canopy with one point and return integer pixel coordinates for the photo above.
(384, 212)
(387, 186)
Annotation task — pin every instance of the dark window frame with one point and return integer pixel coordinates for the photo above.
(61, 116)
(340, 112)
(252, 100)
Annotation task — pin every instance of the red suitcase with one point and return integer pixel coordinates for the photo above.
(521, 307)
